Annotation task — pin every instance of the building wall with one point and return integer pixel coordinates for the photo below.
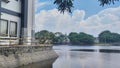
(22, 12)
(9, 18)
(12, 5)
(10, 12)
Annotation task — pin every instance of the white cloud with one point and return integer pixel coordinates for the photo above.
(52, 20)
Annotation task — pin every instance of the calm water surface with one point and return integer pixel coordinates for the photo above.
(81, 59)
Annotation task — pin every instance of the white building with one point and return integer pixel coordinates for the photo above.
(96, 40)
(16, 22)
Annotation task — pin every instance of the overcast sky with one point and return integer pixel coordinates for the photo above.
(87, 16)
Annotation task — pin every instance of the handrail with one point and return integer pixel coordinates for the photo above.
(24, 39)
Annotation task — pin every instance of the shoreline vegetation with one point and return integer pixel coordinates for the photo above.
(105, 38)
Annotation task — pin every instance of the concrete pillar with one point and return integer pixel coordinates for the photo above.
(27, 26)
(30, 27)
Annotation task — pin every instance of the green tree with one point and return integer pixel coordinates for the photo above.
(81, 38)
(66, 5)
(59, 38)
(104, 36)
(86, 38)
(74, 39)
(44, 36)
(108, 37)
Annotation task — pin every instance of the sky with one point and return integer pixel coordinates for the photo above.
(87, 16)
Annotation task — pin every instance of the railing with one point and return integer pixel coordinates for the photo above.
(25, 40)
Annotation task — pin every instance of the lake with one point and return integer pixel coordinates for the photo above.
(71, 57)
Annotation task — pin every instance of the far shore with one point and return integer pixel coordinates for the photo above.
(96, 44)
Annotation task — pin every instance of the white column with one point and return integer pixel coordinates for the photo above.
(30, 22)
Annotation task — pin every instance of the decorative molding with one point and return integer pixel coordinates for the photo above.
(10, 12)
(7, 1)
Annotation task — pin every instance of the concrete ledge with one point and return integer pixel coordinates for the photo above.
(11, 57)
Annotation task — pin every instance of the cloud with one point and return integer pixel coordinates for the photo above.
(52, 20)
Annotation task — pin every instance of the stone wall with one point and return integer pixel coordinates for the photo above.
(14, 56)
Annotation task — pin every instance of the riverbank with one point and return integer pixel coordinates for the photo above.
(103, 44)
(96, 44)
(14, 56)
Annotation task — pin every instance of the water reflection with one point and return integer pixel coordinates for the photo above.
(79, 59)
(45, 64)
(84, 59)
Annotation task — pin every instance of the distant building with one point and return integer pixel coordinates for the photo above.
(96, 40)
(16, 22)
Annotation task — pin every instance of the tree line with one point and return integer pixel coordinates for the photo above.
(109, 37)
(74, 38)
(46, 37)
